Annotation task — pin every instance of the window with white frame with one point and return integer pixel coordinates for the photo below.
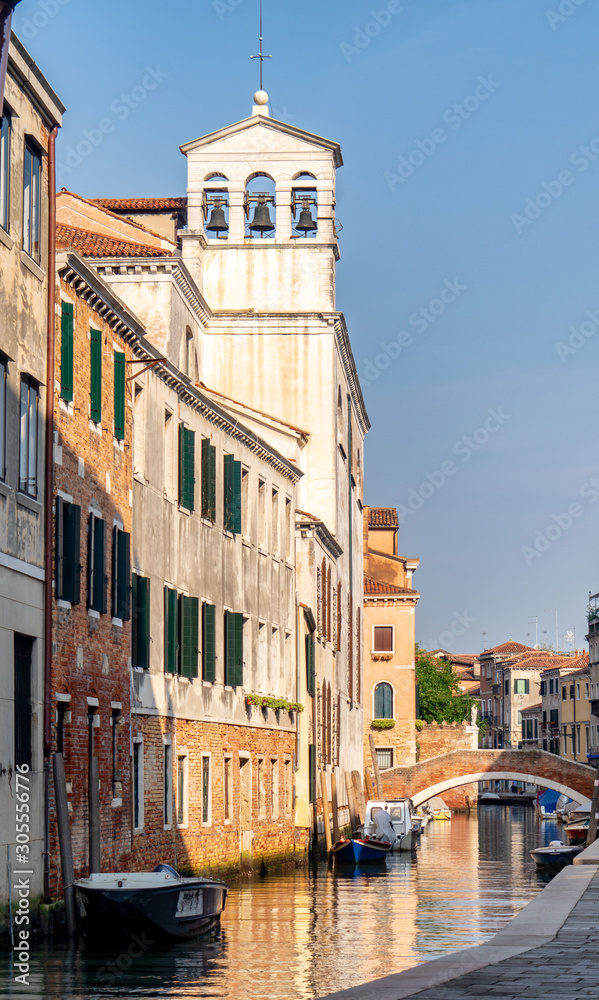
(384, 758)
(383, 638)
(138, 784)
(182, 794)
(32, 178)
(28, 437)
(5, 135)
(206, 791)
(167, 786)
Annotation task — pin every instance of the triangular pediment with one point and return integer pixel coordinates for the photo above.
(260, 134)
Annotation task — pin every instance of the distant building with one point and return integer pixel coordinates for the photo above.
(532, 730)
(389, 642)
(30, 114)
(593, 641)
(575, 710)
(492, 688)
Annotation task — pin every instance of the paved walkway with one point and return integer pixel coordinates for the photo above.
(549, 951)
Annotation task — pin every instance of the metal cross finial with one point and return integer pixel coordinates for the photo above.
(261, 55)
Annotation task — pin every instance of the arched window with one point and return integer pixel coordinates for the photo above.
(216, 206)
(383, 701)
(304, 205)
(260, 206)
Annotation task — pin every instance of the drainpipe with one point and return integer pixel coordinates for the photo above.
(48, 498)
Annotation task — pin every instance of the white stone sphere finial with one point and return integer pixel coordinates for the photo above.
(260, 97)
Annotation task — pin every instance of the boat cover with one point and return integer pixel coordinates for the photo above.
(384, 827)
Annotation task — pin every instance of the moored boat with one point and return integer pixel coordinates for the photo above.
(358, 851)
(556, 856)
(390, 819)
(160, 903)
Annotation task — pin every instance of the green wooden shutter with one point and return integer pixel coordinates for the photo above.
(95, 387)
(66, 352)
(208, 480)
(141, 621)
(170, 631)
(71, 552)
(186, 467)
(312, 770)
(119, 395)
(233, 649)
(208, 642)
(189, 636)
(96, 558)
(121, 574)
(228, 463)
(59, 548)
(310, 671)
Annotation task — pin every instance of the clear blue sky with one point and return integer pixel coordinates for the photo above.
(525, 84)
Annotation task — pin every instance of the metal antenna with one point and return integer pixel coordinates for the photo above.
(261, 55)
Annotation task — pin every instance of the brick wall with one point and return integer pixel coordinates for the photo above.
(90, 653)
(219, 844)
(435, 739)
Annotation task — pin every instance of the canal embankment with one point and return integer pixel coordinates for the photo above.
(551, 947)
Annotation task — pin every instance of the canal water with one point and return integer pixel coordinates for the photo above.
(312, 931)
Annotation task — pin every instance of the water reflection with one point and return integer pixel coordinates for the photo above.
(313, 931)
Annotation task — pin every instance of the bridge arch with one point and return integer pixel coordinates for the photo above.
(461, 767)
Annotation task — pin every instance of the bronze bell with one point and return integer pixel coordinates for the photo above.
(217, 222)
(261, 223)
(305, 223)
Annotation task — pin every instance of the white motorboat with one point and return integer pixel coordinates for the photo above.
(556, 856)
(391, 817)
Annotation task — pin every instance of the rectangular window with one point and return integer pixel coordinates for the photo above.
(167, 786)
(23, 649)
(536, 729)
(31, 203)
(506, 685)
(571, 692)
(288, 531)
(121, 574)
(3, 382)
(186, 467)
(232, 495)
(233, 649)
(553, 716)
(5, 135)
(550, 685)
(138, 785)
(262, 541)
(188, 636)
(96, 564)
(208, 642)
(310, 666)
(227, 788)
(521, 685)
(208, 480)
(181, 790)
(119, 395)
(578, 739)
(116, 720)
(586, 738)
(260, 790)
(578, 692)
(68, 535)
(586, 691)
(140, 621)
(383, 638)
(171, 631)
(543, 688)
(95, 376)
(206, 790)
(565, 742)
(384, 758)
(28, 438)
(66, 351)
(275, 522)
(564, 693)
(274, 788)
(245, 497)
(288, 786)
(312, 771)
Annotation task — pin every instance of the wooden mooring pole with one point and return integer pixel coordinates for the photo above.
(369, 785)
(335, 805)
(325, 812)
(66, 847)
(351, 804)
(359, 795)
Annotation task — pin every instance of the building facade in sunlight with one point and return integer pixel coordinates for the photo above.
(389, 642)
(31, 111)
(247, 464)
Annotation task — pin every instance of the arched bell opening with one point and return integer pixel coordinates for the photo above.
(260, 207)
(216, 207)
(304, 207)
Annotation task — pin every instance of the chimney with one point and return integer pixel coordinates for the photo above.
(476, 668)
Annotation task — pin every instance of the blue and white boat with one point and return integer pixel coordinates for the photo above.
(358, 852)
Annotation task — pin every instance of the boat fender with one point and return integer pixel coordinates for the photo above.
(555, 843)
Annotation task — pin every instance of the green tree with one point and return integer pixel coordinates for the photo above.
(439, 695)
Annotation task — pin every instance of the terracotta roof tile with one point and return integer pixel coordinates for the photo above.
(508, 647)
(532, 708)
(139, 204)
(95, 245)
(374, 587)
(382, 517)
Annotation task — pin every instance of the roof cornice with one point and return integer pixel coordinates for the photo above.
(175, 266)
(266, 122)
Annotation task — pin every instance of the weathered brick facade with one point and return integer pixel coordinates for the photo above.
(435, 739)
(91, 650)
(256, 828)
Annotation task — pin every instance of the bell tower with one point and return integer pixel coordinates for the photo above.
(261, 230)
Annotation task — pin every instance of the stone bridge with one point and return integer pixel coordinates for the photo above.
(438, 774)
